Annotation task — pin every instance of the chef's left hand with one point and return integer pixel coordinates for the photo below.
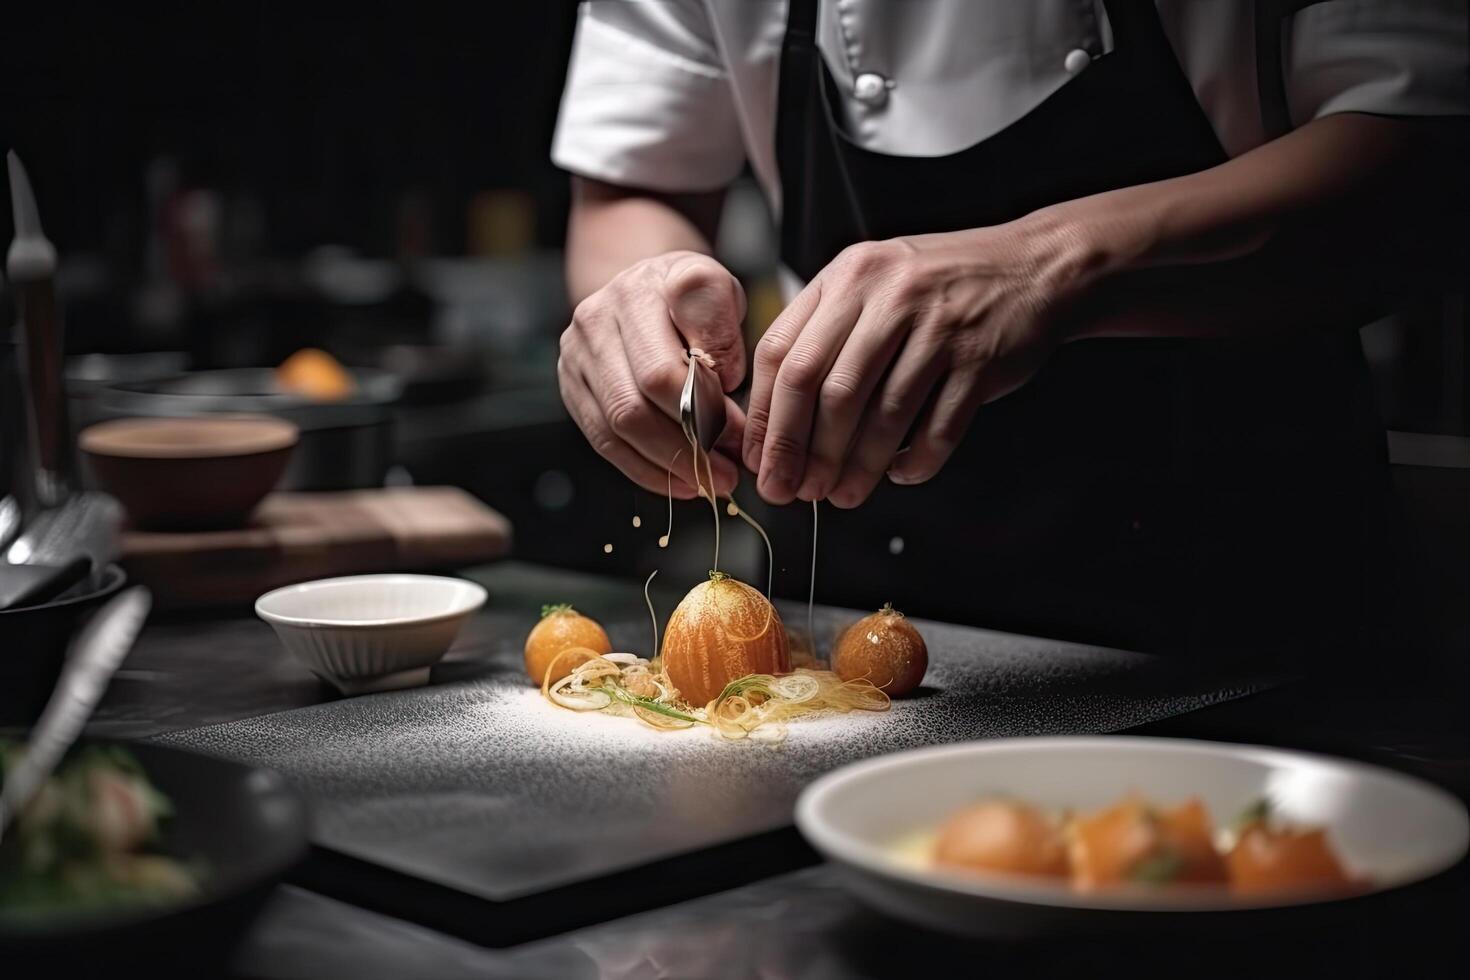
(949, 321)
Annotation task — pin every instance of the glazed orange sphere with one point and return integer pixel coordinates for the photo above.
(1000, 835)
(886, 649)
(562, 627)
(722, 630)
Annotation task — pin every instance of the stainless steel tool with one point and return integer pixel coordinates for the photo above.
(43, 518)
(701, 403)
(30, 264)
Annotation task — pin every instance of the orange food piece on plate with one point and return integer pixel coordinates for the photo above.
(1267, 859)
(1134, 843)
(1188, 832)
(1003, 836)
(317, 375)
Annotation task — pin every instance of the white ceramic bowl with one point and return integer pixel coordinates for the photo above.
(371, 632)
(1389, 827)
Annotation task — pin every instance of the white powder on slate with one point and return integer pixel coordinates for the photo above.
(525, 711)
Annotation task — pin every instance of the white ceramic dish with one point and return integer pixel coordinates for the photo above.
(367, 633)
(1391, 828)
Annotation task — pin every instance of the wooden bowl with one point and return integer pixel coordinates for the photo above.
(189, 473)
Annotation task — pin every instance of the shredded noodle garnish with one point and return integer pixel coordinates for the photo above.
(735, 510)
(695, 352)
(811, 592)
(756, 707)
(668, 535)
(652, 616)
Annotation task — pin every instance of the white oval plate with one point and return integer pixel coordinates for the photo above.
(1389, 828)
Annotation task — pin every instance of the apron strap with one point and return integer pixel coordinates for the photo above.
(1273, 27)
(801, 20)
(802, 132)
(796, 123)
(1134, 22)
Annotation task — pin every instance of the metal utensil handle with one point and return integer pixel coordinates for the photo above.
(92, 660)
(701, 404)
(41, 322)
(30, 263)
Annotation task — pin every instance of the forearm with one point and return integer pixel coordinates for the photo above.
(610, 228)
(1333, 221)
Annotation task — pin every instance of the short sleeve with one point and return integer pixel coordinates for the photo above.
(647, 101)
(1388, 57)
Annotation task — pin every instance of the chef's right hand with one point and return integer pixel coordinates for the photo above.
(623, 365)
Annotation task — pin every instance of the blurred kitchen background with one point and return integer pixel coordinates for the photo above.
(229, 184)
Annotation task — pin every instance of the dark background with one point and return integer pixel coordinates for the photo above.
(366, 138)
(327, 126)
(328, 116)
(370, 177)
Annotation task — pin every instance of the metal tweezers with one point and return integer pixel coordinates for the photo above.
(701, 403)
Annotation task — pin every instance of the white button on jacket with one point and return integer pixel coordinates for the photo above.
(676, 95)
(870, 89)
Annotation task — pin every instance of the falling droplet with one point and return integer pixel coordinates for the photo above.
(663, 540)
(895, 546)
(607, 548)
(732, 509)
(637, 521)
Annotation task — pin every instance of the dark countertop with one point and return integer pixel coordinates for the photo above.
(476, 785)
(208, 670)
(806, 924)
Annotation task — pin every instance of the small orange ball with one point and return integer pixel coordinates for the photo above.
(886, 649)
(561, 628)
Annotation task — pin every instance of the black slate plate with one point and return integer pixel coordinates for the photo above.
(475, 807)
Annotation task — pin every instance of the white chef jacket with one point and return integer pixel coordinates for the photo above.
(676, 95)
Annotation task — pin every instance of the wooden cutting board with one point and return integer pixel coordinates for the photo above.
(295, 537)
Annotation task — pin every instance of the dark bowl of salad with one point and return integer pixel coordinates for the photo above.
(144, 859)
(34, 639)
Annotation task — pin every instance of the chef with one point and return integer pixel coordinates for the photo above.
(1075, 289)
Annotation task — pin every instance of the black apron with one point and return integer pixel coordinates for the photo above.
(1219, 498)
